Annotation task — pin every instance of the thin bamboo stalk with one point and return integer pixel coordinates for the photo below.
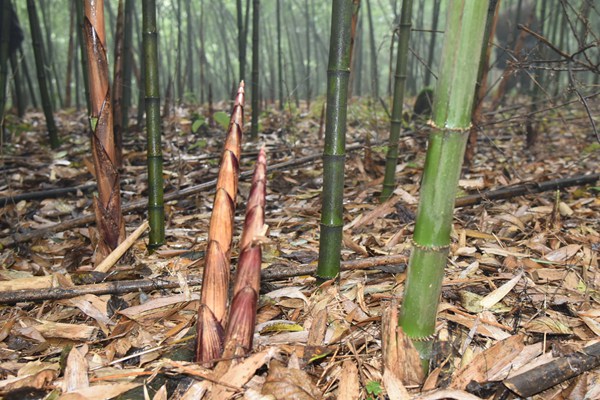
(156, 209)
(255, 69)
(391, 158)
(38, 52)
(117, 92)
(127, 61)
(4, 40)
(83, 51)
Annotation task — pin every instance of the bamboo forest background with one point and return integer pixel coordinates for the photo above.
(198, 47)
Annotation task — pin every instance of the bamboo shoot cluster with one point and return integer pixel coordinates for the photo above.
(212, 314)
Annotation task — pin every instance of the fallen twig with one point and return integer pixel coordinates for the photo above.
(545, 376)
(469, 200)
(526, 188)
(119, 287)
(117, 253)
(143, 203)
(46, 194)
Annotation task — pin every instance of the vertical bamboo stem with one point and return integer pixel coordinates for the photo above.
(255, 67)
(450, 122)
(38, 52)
(156, 210)
(338, 71)
(391, 159)
(107, 205)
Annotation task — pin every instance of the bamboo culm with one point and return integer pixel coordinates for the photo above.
(450, 128)
(156, 210)
(338, 71)
(391, 159)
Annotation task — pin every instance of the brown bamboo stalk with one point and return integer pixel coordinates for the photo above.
(107, 206)
(242, 318)
(215, 286)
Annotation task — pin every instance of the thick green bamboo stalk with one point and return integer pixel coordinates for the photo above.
(338, 72)
(156, 209)
(451, 121)
(255, 66)
(38, 52)
(391, 159)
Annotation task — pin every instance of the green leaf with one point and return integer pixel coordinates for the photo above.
(93, 123)
(374, 388)
(591, 148)
(197, 124)
(222, 119)
(200, 143)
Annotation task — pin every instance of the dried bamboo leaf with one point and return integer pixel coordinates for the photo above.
(76, 371)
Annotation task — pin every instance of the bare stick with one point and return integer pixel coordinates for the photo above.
(556, 371)
(272, 273)
(143, 203)
(526, 188)
(117, 253)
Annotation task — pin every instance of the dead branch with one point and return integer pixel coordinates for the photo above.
(556, 371)
(473, 199)
(46, 194)
(143, 203)
(526, 188)
(275, 272)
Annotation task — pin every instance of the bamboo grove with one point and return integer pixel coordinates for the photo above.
(226, 318)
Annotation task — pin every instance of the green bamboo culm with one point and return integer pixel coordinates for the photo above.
(255, 66)
(84, 55)
(4, 34)
(38, 53)
(156, 210)
(450, 122)
(338, 72)
(127, 60)
(391, 159)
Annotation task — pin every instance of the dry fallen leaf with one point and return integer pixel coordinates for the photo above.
(288, 383)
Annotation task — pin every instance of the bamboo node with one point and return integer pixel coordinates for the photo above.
(431, 123)
(427, 338)
(428, 247)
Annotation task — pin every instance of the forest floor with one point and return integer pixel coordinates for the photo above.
(522, 285)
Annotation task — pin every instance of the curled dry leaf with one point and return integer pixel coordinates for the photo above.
(288, 383)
